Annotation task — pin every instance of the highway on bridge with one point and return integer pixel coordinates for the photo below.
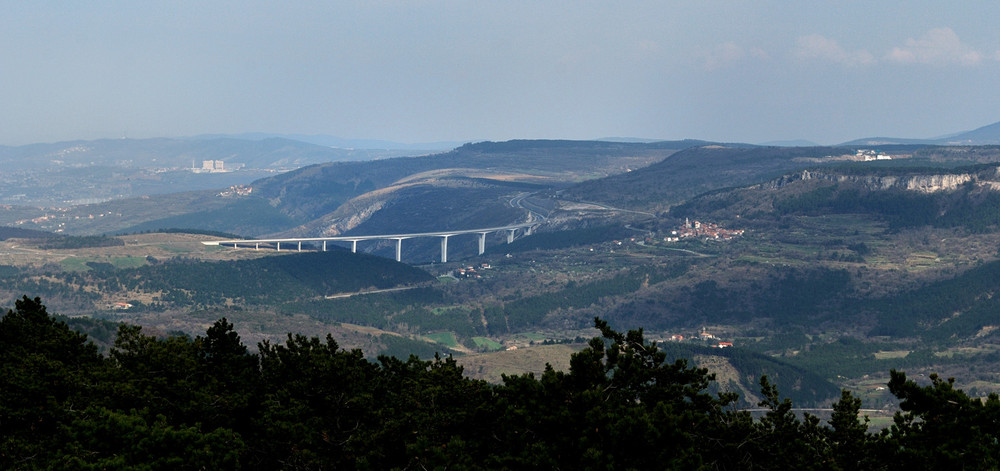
(353, 239)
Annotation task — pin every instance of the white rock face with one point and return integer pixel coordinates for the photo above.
(989, 180)
(933, 183)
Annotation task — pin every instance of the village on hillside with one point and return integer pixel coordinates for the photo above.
(704, 336)
(705, 230)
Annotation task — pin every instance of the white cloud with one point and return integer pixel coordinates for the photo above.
(815, 46)
(728, 53)
(939, 46)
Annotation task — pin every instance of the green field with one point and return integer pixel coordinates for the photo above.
(444, 338)
(80, 264)
(74, 264)
(483, 342)
(885, 355)
(128, 262)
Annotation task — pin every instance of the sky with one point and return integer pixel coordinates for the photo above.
(424, 71)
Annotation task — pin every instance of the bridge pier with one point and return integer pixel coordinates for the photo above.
(444, 248)
(399, 249)
(528, 228)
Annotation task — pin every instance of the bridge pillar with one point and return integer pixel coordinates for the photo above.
(399, 249)
(444, 248)
(527, 231)
(278, 246)
(300, 246)
(354, 246)
(324, 246)
(256, 246)
(510, 235)
(234, 245)
(482, 242)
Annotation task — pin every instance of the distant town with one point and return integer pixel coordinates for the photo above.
(215, 166)
(470, 271)
(704, 336)
(236, 190)
(868, 155)
(705, 230)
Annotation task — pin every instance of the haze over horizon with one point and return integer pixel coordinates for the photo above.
(455, 71)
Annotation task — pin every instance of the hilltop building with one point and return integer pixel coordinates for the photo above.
(213, 166)
(868, 155)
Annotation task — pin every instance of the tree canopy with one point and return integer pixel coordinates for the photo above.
(306, 403)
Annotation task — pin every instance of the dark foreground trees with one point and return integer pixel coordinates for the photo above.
(208, 403)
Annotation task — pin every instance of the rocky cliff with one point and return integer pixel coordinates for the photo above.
(920, 182)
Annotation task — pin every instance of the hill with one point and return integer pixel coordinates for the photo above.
(375, 147)
(181, 283)
(336, 197)
(885, 254)
(315, 191)
(901, 197)
(699, 169)
(87, 171)
(983, 136)
(273, 152)
(986, 135)
(806, 255)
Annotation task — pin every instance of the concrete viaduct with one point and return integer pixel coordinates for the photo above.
(353, 239)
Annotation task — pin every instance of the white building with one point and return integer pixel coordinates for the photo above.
(213, 165)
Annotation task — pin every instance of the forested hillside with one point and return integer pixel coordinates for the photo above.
(185, 284)
(696, 170)
(207, 402)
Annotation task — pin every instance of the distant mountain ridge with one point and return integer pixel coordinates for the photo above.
(448, 190)
(982, 136)
(340, 142)
(81, 172)
(376, 194)
(273, 152)
(986, 135)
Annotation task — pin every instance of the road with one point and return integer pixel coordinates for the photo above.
(612, 208)
(374, 291)
(519, 202)
(532, 209)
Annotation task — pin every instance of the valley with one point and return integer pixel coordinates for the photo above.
(802, 267)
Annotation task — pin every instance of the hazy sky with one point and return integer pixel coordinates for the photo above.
(418, 71)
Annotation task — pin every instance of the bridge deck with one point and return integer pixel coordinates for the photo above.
(411, 235)
(353, 239)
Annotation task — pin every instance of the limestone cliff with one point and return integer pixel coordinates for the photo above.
(920, 182)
